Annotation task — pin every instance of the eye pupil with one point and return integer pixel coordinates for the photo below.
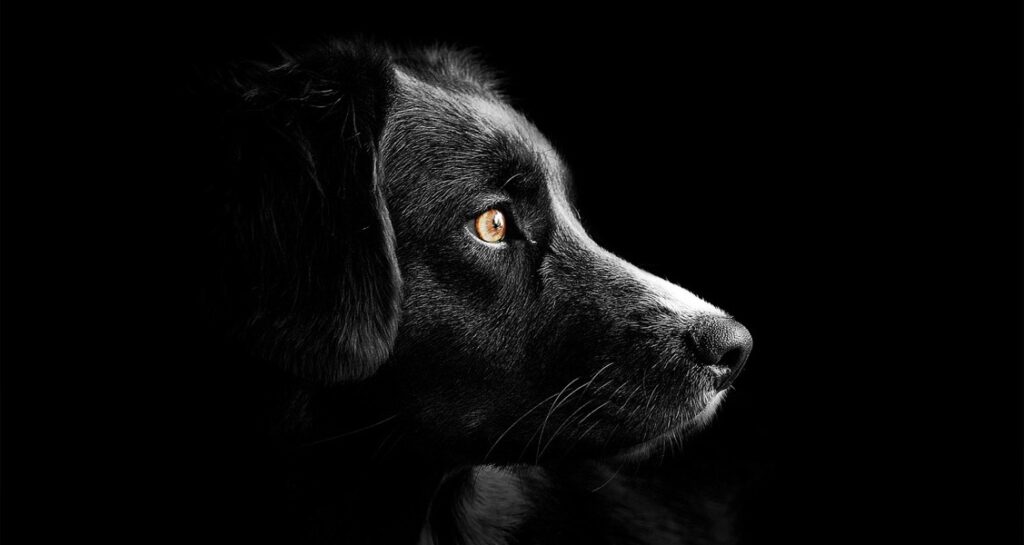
(490, 226)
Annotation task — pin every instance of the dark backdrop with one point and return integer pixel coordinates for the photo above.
(845, 180)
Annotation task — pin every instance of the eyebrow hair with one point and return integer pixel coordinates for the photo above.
(522, 178)
(519, 170)
(535, 173)
(511, 179)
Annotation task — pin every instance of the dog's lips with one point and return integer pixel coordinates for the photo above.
(704, 416)
(691, 424)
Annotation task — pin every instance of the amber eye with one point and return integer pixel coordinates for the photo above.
(490, 226)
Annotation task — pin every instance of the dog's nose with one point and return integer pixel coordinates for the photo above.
(723, 343)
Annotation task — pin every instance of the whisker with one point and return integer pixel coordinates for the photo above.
(553, 407)
(395, 443)
(569, 395)
(591, 413)
(564, 422)
(353, 432)
(580, 423)
(646, 406)
(581, 436)
(616, 474)
(518, 420)
(602, 386)
(513, 177)
(625, 403)
(621, 386)
(599, 371)
(380, 447)
(643, 382)
(527, 445)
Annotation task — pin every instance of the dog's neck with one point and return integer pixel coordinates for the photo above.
(351, 474)
(365, 478)
(357, 478)
(269, 475)
(478, 504)
(376, 502)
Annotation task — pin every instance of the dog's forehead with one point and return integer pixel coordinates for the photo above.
(498, 116)
(476, 114)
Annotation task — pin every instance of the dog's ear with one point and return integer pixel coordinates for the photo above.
(311, 277)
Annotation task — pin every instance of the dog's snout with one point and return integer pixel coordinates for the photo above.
(725, 344)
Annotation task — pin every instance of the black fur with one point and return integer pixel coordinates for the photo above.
(313, 279)
(412, 382)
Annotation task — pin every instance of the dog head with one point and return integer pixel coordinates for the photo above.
(391, 216)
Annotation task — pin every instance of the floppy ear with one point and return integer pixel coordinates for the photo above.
(310, 247)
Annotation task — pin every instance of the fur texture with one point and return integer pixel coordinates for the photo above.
(422, 384)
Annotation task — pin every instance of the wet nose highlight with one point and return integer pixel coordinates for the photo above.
(723, 343)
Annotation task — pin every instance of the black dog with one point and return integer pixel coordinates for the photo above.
(396, 256)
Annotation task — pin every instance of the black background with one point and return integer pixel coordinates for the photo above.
(845, 180)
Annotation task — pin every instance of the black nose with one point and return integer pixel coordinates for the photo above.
(723, 343)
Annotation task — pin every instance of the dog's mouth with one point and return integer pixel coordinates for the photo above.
(672, 438)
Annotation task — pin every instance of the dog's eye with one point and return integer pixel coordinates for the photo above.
(490, 226)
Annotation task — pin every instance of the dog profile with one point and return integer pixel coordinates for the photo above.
(446, 355)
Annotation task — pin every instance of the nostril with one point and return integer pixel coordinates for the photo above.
(732, 359)
(723, 343)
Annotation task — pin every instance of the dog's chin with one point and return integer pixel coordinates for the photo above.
(695, 423)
